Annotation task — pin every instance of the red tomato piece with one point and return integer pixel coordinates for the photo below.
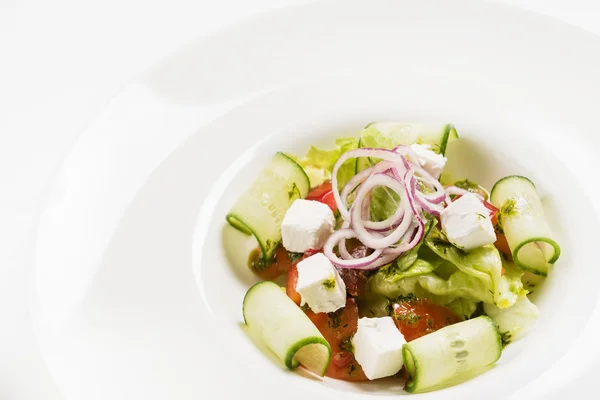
(338, 328)
(280, 264)
(323, 194)
(502, 244)
(277, 267)
(493, 212)
(290, 287)
(418, 317)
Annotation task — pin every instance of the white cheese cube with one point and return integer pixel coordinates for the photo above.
(467, 224)
(320, 285)
(378, 347)
(306, 225)
(430, 161)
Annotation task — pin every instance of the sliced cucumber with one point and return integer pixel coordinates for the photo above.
(451, 353)
(391, 134)
(261, 209)
(522, 218)
(285, 329)
(514, 322)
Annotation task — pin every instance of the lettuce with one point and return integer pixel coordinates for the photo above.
(318, 163)
(483, 264)
(448, 276)
(463, 307)
(373, 137)
(384, 203)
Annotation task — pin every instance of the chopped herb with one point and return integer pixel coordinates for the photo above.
(270, 245)
(346, 345)
(408, 319)
(352, 369)
(498, 228)
(480, 216)
(305, 307)
(294, 256)
(294, 193)
(506, 338)
(429, 323)
(329, 284)
(409, 298)
(257, 262)
(509, 207)
(334, 320)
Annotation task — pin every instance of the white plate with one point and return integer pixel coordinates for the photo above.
(133, 295)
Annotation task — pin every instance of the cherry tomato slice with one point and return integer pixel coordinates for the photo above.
(323, 194)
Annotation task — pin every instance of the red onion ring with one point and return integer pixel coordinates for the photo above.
(361, 177)
(357, 263)
(366, 237)
(384, 154)
(399, 171)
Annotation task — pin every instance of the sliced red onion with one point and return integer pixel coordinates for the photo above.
(384, 167)
(416, 234)
(408, 153)
(368, 238)
(411, 189)
(434, 198)
(399, 171)
(384, 154)
(431, 208)
(360, 178)
(425, 177)
(357, 263)
(342, 244)
(387, 224)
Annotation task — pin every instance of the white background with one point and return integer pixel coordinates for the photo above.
(60, 63)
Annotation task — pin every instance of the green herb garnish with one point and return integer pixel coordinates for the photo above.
(329, 284)
(506, 338)
(334, 318)
(509, 207)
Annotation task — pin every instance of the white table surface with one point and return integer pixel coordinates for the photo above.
(60, 62)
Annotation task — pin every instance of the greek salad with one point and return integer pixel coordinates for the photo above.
(391, 267)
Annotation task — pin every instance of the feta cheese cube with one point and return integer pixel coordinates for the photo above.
(306, 225)
(320, 285)
(430, 161)
(467, 224)
(378, 347)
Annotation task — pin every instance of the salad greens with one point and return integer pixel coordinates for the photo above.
(318, 163)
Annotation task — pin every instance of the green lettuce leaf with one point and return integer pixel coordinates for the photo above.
(384, 203)
(421, 258)
(484, 264)
(449, 276)
(463, 307)
(318, 163)
(372, 137)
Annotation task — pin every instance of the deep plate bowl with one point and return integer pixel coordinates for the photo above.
(137, 285)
